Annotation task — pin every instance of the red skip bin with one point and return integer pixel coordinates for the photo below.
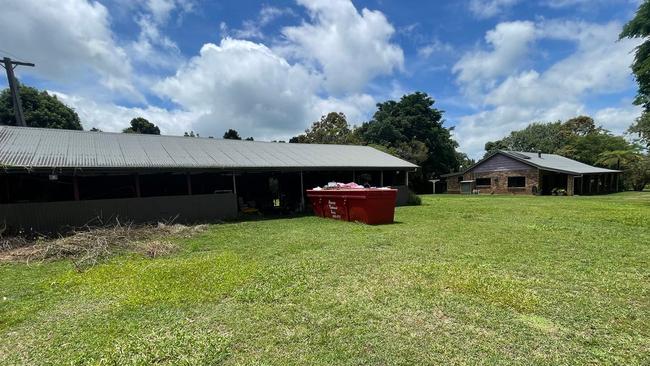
(372, 206)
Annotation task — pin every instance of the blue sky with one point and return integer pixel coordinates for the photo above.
(268, 69)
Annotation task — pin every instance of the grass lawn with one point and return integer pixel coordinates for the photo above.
(458, 280)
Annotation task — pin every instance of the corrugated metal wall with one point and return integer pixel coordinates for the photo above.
(53, 216)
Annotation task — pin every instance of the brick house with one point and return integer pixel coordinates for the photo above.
(513, 172)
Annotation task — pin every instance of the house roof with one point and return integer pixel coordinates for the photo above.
(33, 148)
(550, 162)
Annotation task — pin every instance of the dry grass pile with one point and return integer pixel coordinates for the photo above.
(87, 246)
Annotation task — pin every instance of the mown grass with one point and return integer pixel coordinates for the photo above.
(459, 280)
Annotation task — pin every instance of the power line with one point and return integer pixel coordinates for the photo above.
(11, 54)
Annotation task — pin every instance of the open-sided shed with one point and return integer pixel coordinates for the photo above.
(50, 178)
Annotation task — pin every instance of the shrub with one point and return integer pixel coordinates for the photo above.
(413, 199)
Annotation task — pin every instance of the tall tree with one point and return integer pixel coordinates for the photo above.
(332, 128)
(639, 27)
(231, 135)
(141, 125)
(641, 127)
(40, 108)
(414, 130)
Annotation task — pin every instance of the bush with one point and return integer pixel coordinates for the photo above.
(414, 199)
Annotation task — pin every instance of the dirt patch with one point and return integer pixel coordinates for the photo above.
(87, 246)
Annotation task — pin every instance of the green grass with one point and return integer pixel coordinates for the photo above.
(459, 280)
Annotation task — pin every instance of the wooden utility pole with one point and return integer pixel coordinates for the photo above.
(9, 66)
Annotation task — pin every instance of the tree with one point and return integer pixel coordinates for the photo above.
(231, 135)
(141, 125)
(40, 108)
(641, 127)
(413, 129)
(332, 128)
(588, 148)
(544, 137)
(639, 27)
(577, 138)
(250, 138)
(636, 166)
(190, 134)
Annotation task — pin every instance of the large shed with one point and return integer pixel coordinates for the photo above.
(518, 172)
(51, 178)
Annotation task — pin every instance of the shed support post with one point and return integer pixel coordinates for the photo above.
(75, 187)
(570, 179)
(617, 176)
(406, 178)
(136, 178)
(354, 176)
(188, 178)
(234, 184)
(381, 178)
(302, 193)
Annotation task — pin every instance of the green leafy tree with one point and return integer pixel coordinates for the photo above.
(544, 137)
(588, 148)
(141, 125)
(413, 129)
(577, 138)
(332, 128)
(250, 138)
(636, 166)
(231, 135)
(40, 109)
(639, 27)
(641, 127)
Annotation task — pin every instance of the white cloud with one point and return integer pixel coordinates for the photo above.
(244, 85)
(351, 47)
(110, 117)
(67, 40)
(434, 46)
(618, 119)
(511, 100)
(490, 8)
(510, 44)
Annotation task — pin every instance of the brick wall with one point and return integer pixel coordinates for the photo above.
(453, 186)
(499, 181)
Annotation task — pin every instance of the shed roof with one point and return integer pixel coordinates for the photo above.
(28, 147)
(550, 162)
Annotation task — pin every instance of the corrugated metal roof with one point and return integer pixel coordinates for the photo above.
(556, 163)
(29, 147)
(552, 162)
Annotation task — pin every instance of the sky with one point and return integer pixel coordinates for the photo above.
(269, 69)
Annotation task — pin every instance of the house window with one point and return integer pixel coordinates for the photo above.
(483, 182)
(516, 182)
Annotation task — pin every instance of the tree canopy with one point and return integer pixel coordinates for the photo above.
(412, 129)
(332, 128)
(639, 27)
(577, 138)
(40, 109)
(231, 135)
(141, 125)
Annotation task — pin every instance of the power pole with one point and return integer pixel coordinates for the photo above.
(9, 65)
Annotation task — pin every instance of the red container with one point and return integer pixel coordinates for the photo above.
(369, 205)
